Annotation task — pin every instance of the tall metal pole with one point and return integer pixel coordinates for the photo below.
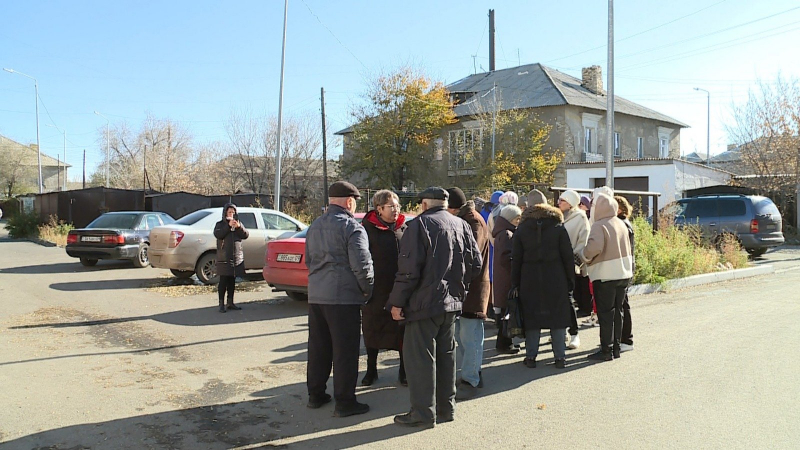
(277, 197)
(491, 40)
(708, 124)
(324, 150)
(38, 144)
(65, 155)
(610, 100)
(494, 124)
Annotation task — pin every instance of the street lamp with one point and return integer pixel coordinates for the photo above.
(38, 146)
(108, 138)
(708, 125)
(65, 152)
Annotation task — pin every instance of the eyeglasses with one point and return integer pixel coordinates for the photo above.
(393, 206)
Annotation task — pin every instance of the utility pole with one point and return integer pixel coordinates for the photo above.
(277, 197)
(494, 125)
(58, 171)
(491, 40)
(324, 150)
(144, 171)
(84, 168)
(610, 100)
(708, 124)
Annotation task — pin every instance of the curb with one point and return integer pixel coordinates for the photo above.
(698, 280)
(41, 242)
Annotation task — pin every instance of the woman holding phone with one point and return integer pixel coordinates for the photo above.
(230, 257)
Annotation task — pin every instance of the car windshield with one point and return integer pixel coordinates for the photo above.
(119, 221)
(301, 234)
(193, 218)
(766, 207)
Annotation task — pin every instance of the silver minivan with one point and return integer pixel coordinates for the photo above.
(753, 219)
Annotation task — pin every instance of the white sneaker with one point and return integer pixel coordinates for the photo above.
(575, 342)
(623, 347)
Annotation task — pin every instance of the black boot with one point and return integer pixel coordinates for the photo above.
(222, 306)
(232, 306)
(372, 367)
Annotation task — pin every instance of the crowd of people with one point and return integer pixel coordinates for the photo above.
(426, 287)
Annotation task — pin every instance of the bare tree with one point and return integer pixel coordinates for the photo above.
(766, 129)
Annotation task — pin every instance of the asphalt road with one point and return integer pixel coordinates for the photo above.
(90, 358)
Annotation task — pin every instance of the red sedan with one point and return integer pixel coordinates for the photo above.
(285, 266)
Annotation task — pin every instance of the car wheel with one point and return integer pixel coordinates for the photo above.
(182, 273)
(206, 269)
(142, 260)
(88, 262)
(756, 252)
(297, 296)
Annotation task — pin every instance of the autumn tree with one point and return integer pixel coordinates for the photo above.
(766, 129)
(391, 141)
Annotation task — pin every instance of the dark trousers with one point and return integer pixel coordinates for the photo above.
(372, 361)
(582, 295)
(226, 284)
(609, 296)
(428, 351)
(334, 340)
(573, 318)
(627, 325)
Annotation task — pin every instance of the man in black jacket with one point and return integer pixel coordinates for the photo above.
(438, 258)
(340, 278)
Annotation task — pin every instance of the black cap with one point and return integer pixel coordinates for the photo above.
(457, 198)
(434, 193)
(343, 189)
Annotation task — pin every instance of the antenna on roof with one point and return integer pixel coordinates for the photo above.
(474, 67)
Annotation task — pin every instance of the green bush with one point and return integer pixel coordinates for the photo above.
(23, 225)
(674, 252)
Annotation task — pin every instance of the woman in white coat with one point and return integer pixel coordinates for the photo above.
(577, 225)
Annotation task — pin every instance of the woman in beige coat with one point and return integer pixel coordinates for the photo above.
(577, 226)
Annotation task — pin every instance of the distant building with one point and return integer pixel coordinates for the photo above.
(574, 107)
(19, 165)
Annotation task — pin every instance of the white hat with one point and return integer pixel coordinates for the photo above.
(571, 197)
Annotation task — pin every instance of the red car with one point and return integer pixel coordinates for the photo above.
(285, 266)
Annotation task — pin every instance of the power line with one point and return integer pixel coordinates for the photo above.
(334, 36)
(638, 34)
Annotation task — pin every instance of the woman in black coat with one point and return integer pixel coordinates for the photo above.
(230, 257)
(385, 226)
(543, 270)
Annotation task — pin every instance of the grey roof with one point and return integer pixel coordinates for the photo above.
(694, 157)
(727, 156)
(536, 86)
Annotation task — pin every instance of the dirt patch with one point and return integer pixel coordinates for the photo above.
(184, 287)
(276, 370)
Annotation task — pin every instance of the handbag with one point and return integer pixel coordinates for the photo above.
(513, 325)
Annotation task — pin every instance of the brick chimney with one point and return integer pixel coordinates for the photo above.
(593, 79)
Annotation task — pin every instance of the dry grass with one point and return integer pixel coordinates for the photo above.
(55, 231)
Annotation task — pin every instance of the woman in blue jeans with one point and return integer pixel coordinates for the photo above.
(543, 271)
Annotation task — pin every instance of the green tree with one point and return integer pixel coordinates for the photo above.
(391, 143)
(520, 153)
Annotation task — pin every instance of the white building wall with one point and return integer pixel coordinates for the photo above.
(670, 180)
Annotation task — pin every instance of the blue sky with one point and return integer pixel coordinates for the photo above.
(197, 61)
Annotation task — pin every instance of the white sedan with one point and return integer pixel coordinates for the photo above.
(189, 247)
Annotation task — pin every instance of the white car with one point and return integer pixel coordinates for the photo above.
(189, 247)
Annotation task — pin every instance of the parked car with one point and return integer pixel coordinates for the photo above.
(285, 265)
(754, 220)
(116, 235)
(188, 246)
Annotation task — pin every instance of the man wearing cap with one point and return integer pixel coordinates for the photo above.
(438, 259)
(469, 327)
(340, 278)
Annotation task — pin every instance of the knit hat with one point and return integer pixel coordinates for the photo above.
(536, 197)
(456, 199)
(509, 198)
(586, 201)
(571, 197)
(496, 197)
(603, 190)
(510, 212)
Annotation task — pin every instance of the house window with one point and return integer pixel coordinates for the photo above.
(465, 148)
(587, 140)
(617, 150)
(663, 148)
(640, 147)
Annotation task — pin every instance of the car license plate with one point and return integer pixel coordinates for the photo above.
(288, 257)
(90, 239)
(772, 227)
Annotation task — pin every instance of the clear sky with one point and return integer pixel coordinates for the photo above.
(197, 61)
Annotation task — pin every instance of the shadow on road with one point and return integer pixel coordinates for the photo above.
(278, 417)
(272, 309)
(71, 267)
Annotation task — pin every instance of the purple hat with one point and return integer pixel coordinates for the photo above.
(586, 201)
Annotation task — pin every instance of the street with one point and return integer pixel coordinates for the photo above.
(97, 358)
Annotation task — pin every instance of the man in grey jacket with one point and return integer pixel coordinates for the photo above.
(438, 258)
(340, 278)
